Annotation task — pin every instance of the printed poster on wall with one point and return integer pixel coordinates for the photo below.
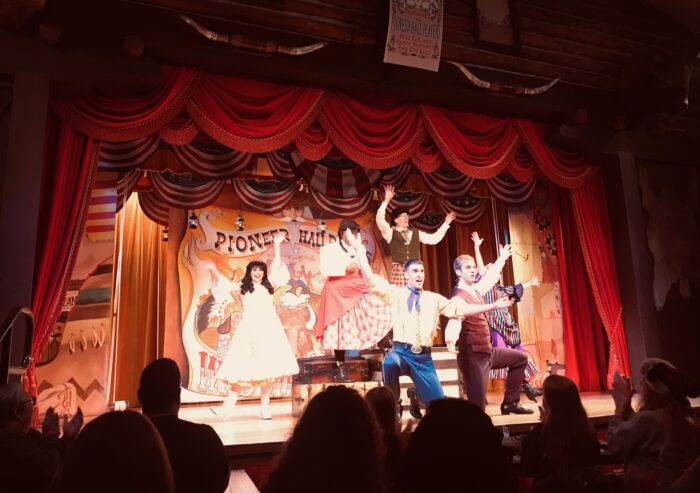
(414, 36)
(211, 263)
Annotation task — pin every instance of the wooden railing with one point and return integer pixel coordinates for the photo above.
(6, 343)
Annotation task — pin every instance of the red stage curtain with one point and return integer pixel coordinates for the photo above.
(591, 219)
(118, 118)
(477, 145)
(180, 130)
(521, 166)
(69, 173)
(583, 347)
(566, 169)
(375, 134)
(314, 143)
(428, 157)
(253, 116)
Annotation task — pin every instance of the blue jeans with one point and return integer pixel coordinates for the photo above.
(419, 367)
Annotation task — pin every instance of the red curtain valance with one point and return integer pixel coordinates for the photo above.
(256, 117)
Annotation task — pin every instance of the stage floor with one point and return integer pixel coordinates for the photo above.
(244, 433)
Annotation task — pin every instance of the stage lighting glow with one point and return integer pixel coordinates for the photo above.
(165, 234)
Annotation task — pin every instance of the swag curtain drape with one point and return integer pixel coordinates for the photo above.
(584, 349)
(591, 219)
(69, 174)
(259, 117)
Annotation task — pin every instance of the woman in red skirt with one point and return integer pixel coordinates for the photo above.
(350, 315)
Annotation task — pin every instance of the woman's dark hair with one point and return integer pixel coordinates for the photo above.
(247, 285)
(458, 439)
(382, 402)
(567, 434)
(118, 451)
(336, 434)
(347, 224)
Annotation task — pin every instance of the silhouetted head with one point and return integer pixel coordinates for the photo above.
(382, 402)
(568, 437)
(561, 396)
(117, 452)
(16, 407)
(159, 388)
(457, 439)
(335, 447)
(663, 383)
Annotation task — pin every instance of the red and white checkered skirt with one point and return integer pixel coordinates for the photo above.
(397, 278)
(361, 327)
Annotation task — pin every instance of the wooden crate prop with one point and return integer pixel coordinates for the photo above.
(303, 393)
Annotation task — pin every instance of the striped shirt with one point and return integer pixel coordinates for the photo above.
(501, 319)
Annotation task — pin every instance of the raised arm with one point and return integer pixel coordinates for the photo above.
(385, 227)
(277, 240)
(437, 236)
(361, 252)
(491, 276)
(279, 274)
(477, 251)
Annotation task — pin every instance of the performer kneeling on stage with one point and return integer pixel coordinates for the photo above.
(476, 354)
(415, 318)
(259, 351)
(350, 316)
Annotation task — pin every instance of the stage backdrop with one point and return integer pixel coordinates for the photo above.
(539, 311)
(211, 262)
(73, 371)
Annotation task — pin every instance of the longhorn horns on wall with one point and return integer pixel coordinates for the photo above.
(503, 88)
(241, 42)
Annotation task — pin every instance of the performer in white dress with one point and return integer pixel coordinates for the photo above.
(259, 352)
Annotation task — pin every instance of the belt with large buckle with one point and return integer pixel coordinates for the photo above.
(414, 348)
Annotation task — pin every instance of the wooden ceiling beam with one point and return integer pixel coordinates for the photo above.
(268, 18)
(595, 28)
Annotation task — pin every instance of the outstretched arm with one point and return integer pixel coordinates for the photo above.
(457, 307)
(385, 227)
(516, 291)
(437, 236)
(532, 283)
(489, 279)
(477, 251)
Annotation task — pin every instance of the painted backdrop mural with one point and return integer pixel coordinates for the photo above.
(74, 369)
(212, 261)
(539, 311)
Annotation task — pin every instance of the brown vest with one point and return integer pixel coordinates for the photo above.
(475, 331)
(400, 251)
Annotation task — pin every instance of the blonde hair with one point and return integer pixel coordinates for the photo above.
(457, 264)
